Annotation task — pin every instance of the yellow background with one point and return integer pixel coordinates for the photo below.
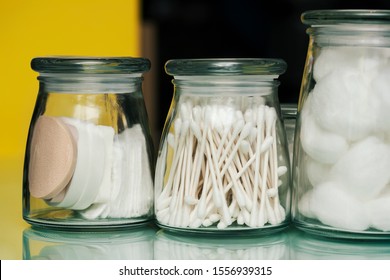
(30, 28)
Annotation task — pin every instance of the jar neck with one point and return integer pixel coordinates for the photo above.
(349, 34)
(90, 83)
(225, 85)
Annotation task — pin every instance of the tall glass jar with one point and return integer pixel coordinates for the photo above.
(89, 159)
(223, 162)
(342, 150)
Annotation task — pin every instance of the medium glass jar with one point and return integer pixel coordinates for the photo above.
(223, 161)
(341, 164)
(89, 159)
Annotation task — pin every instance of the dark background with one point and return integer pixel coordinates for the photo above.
(241, 28)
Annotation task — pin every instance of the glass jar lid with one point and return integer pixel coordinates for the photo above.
(90, 65)
(225, 66)
(326, 17)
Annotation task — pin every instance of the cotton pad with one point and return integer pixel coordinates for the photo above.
(52, 157)
(99, 182)
(82, 169)
(333, 206)
(364, 169)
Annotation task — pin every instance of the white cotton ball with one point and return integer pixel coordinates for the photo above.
(380, 86)
(331, 59)
(317, 172)
(379, 213)
(364, 169)
(343, 103)
(335, 207)
(304, 204)
(366, 60)
(321, 145)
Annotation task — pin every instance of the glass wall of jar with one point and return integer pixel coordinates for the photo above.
(89, 159)
(136, 243)
(223, 160)
(342, 149)
(289, 114)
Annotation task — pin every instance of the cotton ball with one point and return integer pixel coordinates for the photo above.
(364, 169)
(319, 144)
(380, 89)
(335, 207)
(378, 211)
(366, 60)
(343, 104)
(304, 204)
(317, 172)
(331, 59)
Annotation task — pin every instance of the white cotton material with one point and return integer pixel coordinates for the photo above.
(317, 172)
(131, 181)
(364, 169)
(320, 144)
(333, 206)
(366, 60)
(90, 167)
(379, 213)
(304, 204)
(343, 104)
(380, 86)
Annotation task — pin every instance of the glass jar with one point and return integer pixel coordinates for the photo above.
(136, 243)
(89, 159)
(342, 150)
(223, 161)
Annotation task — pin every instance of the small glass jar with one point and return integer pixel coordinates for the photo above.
(223, 162)
(342, 150)
(89, 159)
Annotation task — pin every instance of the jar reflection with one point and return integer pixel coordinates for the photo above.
(174, 246)
(133, 244)
(305, 246)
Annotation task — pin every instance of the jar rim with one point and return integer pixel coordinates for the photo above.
(354, 16)
(90, 65)
(225, 66)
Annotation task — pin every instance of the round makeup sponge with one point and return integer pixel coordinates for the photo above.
(52, 157)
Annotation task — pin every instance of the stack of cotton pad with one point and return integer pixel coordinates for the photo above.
(345, 135)
(88, 168)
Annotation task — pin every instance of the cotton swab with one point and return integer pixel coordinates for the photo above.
(216, 180)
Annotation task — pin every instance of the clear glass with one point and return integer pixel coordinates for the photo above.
(223, 162)
(289, 114)
(341, 177)
(89, 159)
(131, 244)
